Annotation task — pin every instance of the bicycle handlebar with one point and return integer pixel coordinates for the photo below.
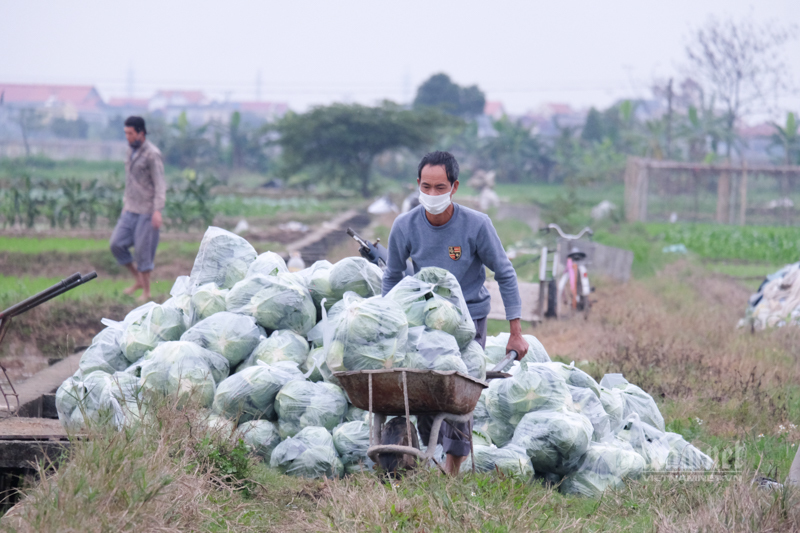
(568, 236)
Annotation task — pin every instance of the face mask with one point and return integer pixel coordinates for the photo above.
(434, 205)
(136, 144)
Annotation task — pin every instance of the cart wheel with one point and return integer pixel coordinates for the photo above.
(394, 432)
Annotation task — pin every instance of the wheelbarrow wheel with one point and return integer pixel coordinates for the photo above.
(394, 432)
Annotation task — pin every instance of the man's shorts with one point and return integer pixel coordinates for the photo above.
(454, 437)
(135, 230)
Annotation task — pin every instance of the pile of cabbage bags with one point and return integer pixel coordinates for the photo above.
(257, 346)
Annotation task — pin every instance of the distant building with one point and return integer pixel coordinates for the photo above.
(494, 110)
(549, 117)
(68, 102)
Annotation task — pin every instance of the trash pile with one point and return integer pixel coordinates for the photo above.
(257, 347)
(777, 301)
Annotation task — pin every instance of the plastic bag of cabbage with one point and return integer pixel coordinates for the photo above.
(159, 324)
(432, 349)
(351, 440)
(260, 436)
(282, 345)
(634, 400)
(310, 454)
(534, 387)
(604, 465)
(98, 397)
(223, 259)
(496, 350)
(228, 334)
(354, 274)
(250, 394)
(207, 300)
(276, 302)
(554, 440)
(510, 460)
(301, 404)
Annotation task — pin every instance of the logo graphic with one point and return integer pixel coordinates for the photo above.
(455, 253)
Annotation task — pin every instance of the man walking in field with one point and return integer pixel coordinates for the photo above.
(145, 194)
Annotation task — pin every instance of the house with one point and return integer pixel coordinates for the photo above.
(494, 110)
(69, 102)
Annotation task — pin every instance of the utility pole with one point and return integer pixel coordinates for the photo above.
(669, 119)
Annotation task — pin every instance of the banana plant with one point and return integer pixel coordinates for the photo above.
(788, 138)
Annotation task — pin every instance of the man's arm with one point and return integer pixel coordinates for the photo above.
(396, 265)
(160, 186)
(493, 255)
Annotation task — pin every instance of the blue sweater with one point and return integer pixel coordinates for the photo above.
(463, 246)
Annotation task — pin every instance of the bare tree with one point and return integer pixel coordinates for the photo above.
(740, 64)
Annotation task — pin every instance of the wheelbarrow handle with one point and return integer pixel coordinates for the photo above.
(510, 356)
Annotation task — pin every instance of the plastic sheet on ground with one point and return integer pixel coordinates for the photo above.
(224, 258)
(533, 388)
(260, 436)
(554, 440)
(496, 350)
(231, 335)
(511, 460)
(649, 442)
(159, 324)
(250, 394)
(605, 465)
(635, 400)
(369, 333)
(301, 404)
(351, 440)
(184, 369)
(207, 300)
(276, 302)
(432, 349)
(281, 345)
(309, 454)
(685, 457)
(587, 404)
(267, 264)
(355, 274)
(105, 353)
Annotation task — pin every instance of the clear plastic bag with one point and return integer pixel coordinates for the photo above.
(224, 258)
(301, 404)
(355, 274)
(649, 442)
(554, 440)
(585, 402)
(496, 350)
(309, 454)
(432, 349)
(685, 457)
(231, 335)
(575, 377)
(122, 399)
(310, 368)
(158, 324)
(533, 388)
(260, 436)
(317, 279)
(207, 300)
(367, 334)
(499, 431)
(250, 394)
(605, 465)
(475, 360)
(282, 345)
(355, 414)
(635, 400)
(184, 369)
(282, 302)
(613, 405)
(511, 460)
(105, 353)
(267, 264)
(351, 440)
(78, 400)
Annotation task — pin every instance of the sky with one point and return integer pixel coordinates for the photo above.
(308, 52)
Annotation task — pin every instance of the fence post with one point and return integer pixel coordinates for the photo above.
(631, 198)
(643, 179)
(723, 196)
(743, 195)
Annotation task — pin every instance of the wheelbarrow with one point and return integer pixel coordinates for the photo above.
(446, 395)
(7, 389)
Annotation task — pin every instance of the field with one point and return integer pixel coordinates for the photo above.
(670, 330)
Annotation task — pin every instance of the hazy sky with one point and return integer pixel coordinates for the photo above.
(584, 53)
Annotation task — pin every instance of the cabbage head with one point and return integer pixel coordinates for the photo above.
(496, 350)
(309, 454)
(432, 349)
(613, 405)
(355, 414)
(511, 460)
(576, 377)
(554, 440)
(499, 431)
(260, 436)
(228, 334)
(159, 324)
(121, 399)
(535, 388)
(207, 300)
(355, 274)
(301, 404)
(240, 297)
(223, 259)
(605, 465)
(586, 403)
(685, 457)
(442, 315)
(369, 333)
(78, 400)
(475, 360)
(105, 353)
(282, 345)
(649, 442)
(635, 400)
(284, 303)
(267, 264)
(312, 365)
(250, 394)
(351, 440)
(317, 281)
(184, 369)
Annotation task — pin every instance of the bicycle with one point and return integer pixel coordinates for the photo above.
(570, 294)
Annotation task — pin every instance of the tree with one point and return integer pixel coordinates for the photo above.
(70, 129)
(788, 139)
(741, 65)
(593, 127)
(28, 120)
(341, 141)
(440, 92)
(516, 155)
(185, 146)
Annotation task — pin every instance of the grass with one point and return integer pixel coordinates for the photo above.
(41, 167)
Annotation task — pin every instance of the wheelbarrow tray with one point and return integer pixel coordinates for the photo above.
(429, 391)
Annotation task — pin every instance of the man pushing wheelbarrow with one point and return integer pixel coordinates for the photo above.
(440, 233)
